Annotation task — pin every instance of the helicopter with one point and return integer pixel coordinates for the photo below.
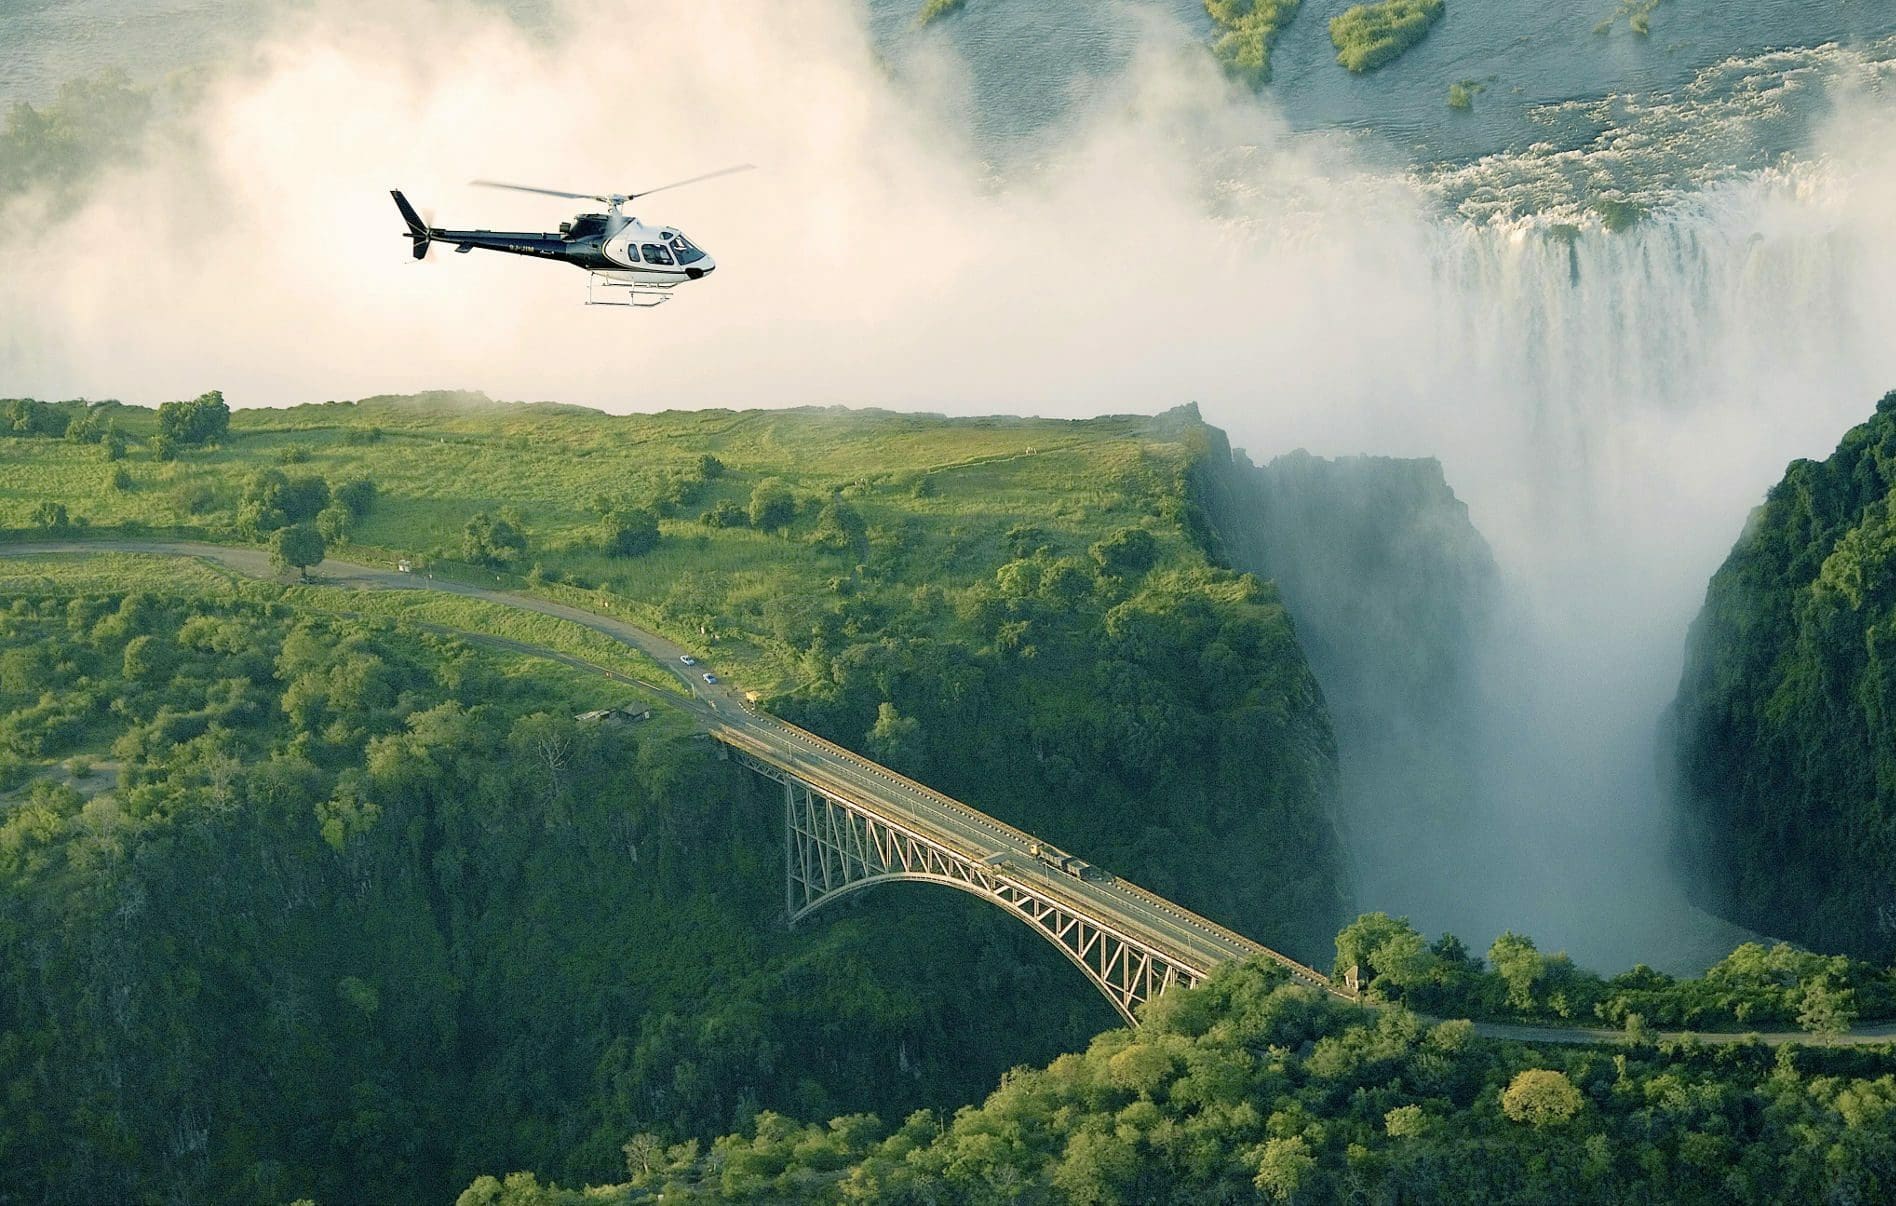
(618, 252)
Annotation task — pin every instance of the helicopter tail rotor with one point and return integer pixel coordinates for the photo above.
(418, 231)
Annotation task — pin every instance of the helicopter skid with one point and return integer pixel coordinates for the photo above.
(638, 295)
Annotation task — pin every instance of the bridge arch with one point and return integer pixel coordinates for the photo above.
(834, 847)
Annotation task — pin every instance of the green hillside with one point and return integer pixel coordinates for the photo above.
(1021, 612)
(1786, 714)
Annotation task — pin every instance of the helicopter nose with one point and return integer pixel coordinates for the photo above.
(703, 268)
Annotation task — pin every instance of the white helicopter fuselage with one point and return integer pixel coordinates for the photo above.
(657, 255)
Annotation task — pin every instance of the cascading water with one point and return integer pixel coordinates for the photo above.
(1610, 404)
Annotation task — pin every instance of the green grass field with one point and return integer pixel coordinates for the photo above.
(936, 497)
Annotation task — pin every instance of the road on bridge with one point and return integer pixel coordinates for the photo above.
(1144, 916)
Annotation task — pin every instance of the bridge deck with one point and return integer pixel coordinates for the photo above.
(1139, 913)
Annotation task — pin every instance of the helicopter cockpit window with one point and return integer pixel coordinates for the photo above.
(681, 246)
(657, 254)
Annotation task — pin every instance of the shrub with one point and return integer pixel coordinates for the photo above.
(772, 506)
(195, 497)
(491, 540)
(199, 421)
(629, 531)
(357, 494)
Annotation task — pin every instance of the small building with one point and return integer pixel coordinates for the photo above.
(404, 566)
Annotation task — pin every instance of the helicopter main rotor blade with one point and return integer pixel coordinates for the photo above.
(549, 192)
(742, 167)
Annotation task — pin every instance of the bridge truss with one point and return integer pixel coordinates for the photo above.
(835, 846)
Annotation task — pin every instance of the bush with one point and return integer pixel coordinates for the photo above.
(357, 494)
(492, 541)
(772, 506)
(121, 479)
(199, 421)
(51, 516)
(724, 514)
(629, 531)
(1127, 553)
(195, 497)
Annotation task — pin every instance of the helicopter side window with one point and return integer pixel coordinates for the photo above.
(631, 253)
(657, 254)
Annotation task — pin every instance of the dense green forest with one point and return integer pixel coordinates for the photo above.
(295, 904)
(1785, 741)
(1023, 612)
(1251, 1089)
(1039, 604)
(1755, 988)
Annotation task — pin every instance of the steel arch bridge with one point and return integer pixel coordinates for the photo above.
(842, 837)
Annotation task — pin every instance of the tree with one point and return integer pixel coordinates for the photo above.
(51, 516)
(1284, 1166)
(1127, 553)
(1828, 1010)
(299, 546)
(491, 540)
(629, 531)
(199, 421)
(1388, 949)
(643, 1152)
(772, 506)
(1520, 966)
(895, 738)
(334, 522)
(1540, 1097)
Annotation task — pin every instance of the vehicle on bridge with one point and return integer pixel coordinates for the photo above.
(1066, 864)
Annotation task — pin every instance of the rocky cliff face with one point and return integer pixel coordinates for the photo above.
(1392, 590)
(1784, 728)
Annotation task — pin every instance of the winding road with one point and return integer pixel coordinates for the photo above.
(727, 715)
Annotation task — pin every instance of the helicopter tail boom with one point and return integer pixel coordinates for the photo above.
(418, 230)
